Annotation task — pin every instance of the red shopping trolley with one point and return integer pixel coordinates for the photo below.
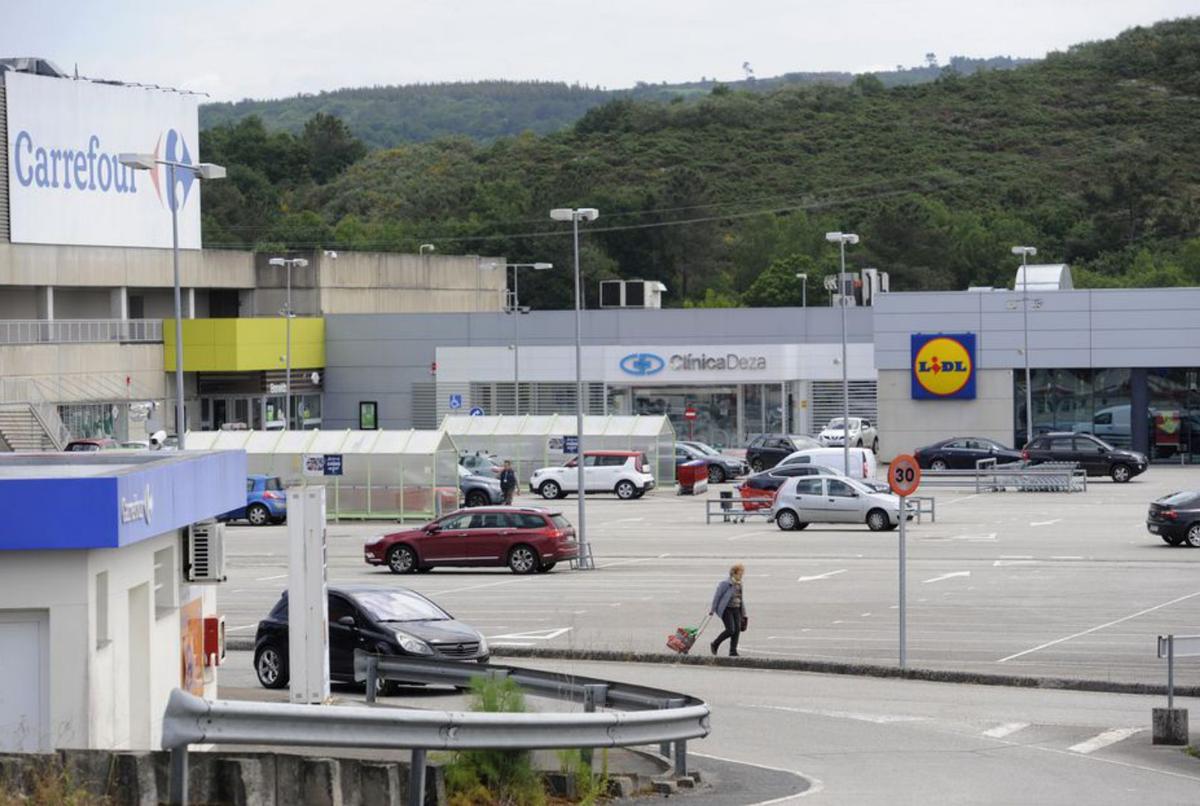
(684, 638)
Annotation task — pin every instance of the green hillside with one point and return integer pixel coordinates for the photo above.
(1091, 155)
(384, 117)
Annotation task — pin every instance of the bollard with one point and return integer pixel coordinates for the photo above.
(179, 776)
(372, 678)
(416, 778)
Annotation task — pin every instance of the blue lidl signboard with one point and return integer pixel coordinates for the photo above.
(943, 366)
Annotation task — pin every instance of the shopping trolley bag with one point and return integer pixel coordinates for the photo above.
(684, 638)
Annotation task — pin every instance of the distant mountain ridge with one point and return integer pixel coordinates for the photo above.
(388, 116)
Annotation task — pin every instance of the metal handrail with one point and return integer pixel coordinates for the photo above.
(80, 331)
(190, 720)
(25, 392)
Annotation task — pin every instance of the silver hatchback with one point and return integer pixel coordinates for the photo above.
(830, 499)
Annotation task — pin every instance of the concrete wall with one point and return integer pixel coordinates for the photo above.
(380, 357)
(80, 372)
(90, 691)
(906, 424)
(102, 266)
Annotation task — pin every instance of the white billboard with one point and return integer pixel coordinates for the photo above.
(65, 183)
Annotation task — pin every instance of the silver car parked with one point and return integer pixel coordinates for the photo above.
(827, 499)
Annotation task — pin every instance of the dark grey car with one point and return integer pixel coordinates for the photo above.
(478, 490)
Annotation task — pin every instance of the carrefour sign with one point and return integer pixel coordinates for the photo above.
(66, 184)
(943, 366)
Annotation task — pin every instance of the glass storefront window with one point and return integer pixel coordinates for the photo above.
(1083, 401)
(1174, 415)
(716, 411)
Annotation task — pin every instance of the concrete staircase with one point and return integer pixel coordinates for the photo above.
(20, 429)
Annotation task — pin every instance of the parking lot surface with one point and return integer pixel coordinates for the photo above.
(1048, 584)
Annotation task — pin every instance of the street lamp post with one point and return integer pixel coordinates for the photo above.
(1025, 252)
(575, 216)
(841, 239)
(202, 171)
(803, 278)
(517, 312)
(288, 263)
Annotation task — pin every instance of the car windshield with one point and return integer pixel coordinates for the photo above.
(397, 606)
(708, 450)
(836, 423)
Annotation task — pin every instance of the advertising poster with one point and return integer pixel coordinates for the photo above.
(191, 647)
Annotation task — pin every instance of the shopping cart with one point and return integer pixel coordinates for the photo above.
(684, 638)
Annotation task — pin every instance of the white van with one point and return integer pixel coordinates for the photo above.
(862, 461)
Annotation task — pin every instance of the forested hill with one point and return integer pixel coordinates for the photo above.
(383, 117)
(1092, 155)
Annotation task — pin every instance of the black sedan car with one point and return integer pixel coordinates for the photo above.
(768, 450)
(1094, 455)
(381, 619)
(721, 468)
(961, 453)
(1176, 518)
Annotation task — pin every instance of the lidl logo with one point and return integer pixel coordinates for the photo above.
(943, 366)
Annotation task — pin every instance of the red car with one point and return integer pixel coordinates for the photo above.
(526, 539)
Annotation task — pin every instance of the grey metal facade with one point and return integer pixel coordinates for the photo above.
(4, 230)
(380, 357)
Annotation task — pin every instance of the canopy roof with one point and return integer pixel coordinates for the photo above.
(411, 442)
(558, 425)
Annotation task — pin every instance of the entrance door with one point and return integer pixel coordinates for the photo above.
(24, 682)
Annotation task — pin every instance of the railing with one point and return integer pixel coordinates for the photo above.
(25, 391)
(987, 476)
(661, 717)
(80, 331)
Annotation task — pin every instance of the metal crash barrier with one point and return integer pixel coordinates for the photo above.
(653, 717)
(987, 476)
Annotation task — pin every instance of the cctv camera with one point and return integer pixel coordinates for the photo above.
(332, 255)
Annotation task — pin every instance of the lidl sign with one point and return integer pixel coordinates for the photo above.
(943, 366)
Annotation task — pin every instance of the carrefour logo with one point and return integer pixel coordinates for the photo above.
(642, 364)
(138, 509)
(943, 366)
(91, 167)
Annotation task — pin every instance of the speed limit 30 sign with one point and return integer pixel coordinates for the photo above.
(904, 475)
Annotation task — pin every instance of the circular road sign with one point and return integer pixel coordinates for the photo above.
(689, 413)
(904, 475)
(476, 412)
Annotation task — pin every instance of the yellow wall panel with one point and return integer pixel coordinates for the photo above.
(244, 345)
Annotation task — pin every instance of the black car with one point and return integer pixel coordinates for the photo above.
(1176, 518)
(768, 450)
(771, 480)
(720, 468)
(381, 619)
(961, 453)
(1094, 455)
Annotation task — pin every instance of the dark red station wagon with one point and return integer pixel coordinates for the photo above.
(526, 539)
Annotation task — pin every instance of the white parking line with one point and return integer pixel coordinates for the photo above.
(1045, 523)
(951, 575)
(1104, 740)
(826, 575)
(877, 719)
(1000, 731)
(268, 579)
(1101, 626)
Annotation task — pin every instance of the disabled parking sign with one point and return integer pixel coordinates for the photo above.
(456, 401)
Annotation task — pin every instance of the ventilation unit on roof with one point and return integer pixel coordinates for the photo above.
(631, 293)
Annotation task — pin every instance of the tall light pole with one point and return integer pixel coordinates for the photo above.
(803, 278)
(517, 312)
(1025, 252)
(288, 263)
(841, 239)
(575, 216)
(202, 171)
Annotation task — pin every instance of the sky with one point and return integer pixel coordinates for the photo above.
(234, 49)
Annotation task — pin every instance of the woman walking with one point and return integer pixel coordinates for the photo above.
(729, 605)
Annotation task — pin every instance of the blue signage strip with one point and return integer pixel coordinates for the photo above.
(134, 502)
(943, 366)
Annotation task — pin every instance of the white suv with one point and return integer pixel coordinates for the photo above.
(622, 472)
(862, 434)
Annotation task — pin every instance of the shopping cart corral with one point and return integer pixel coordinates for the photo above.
(989, 477)
(728, 509)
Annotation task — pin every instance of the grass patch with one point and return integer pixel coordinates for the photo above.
(47, 782)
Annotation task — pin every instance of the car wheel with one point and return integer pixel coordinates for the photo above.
(1192, 538)
(478, 498)
(875, 445)
(401, 560)
(877, 520)
(1171, 541)
(550, 490)
(716, 474)
(938, 464)
(625, 490)
(1121, 473)
(270, 664)
(523, 559)
(757, 465)
(258, 515)
(787, 520)
(546, 568)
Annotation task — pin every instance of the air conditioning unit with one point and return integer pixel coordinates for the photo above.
(205, 553)
(631, 293)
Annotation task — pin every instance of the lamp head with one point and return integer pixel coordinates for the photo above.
(277, 261)
(1024, 250)
(801, 276)
(588, 213)
(542, 266)
(208, 170)
(562, 214)
(841, 237)
(567, 214)
(139, 162)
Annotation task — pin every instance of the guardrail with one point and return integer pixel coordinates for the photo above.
(190, 720)
(987, 476)
(79, 331)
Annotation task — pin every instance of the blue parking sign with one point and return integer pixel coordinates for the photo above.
(476, 412)
(456, 401)
(570, 444)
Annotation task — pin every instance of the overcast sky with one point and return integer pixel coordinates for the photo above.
(234, 49)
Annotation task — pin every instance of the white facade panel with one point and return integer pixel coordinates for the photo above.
(66, 185)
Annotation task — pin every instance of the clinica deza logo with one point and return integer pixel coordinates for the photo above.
(94, 167)
(642, 364)
(943, 366)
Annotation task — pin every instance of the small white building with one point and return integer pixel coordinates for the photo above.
(97, 621)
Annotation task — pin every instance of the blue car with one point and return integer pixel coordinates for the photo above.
(266, 502)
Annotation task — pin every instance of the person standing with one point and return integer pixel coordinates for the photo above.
(729, 605)
(508, 482)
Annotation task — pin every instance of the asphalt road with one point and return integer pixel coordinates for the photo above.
(881, 741)
(1015, 583)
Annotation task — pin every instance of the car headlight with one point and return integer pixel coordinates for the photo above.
(413, 644)
(483, 647)
(373, 541)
